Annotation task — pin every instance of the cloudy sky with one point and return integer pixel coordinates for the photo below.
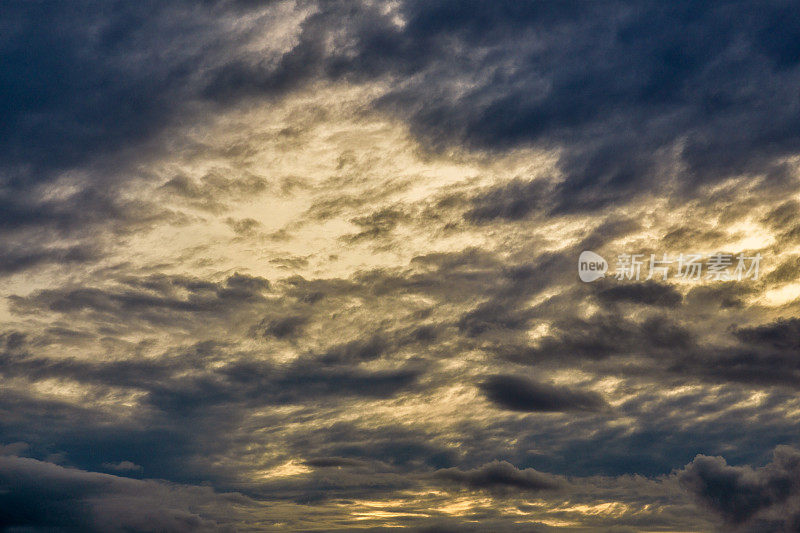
(313, 266)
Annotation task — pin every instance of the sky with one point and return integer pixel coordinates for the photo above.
(314, 266)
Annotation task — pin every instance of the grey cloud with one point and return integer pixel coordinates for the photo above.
(723, 295)
(512, 201)
(88, 207)
(659, 77)
(501, 475)
(647, 293)
(82, 83)
(163, 300)
(746, 498)
(741, 365)
(615, 127)
(283, 327)
(493, 316)
(786, 271)
(392, 448)
(783, 334)
(212, 190)
(43, 495)
(355, 351)
(608, 334)
(86, 94)
(122, 466)
(244, 226)
(784, 215)
(686, 237)
(290, 263)
(329, 462)
(522, 394)
(25, 259)
(636, 100)
(377, 225)
(233, 379)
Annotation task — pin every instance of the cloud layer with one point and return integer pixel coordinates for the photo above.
(311, 266)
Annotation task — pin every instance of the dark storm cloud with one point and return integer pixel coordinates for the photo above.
(117, 373)
(617, 86)
(666, 434)
(88, 436)
(72, 231)
(84, 209)
(506, 290)
(44, 496)
(662, 342)
(301, 384)
(86, 89)
(191, 402)
(86, 79)
(687, 237)
(749, 499)
(228, 383)
(522, 394)
(354, 460)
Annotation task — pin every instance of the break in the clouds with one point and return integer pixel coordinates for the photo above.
(311, 266)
